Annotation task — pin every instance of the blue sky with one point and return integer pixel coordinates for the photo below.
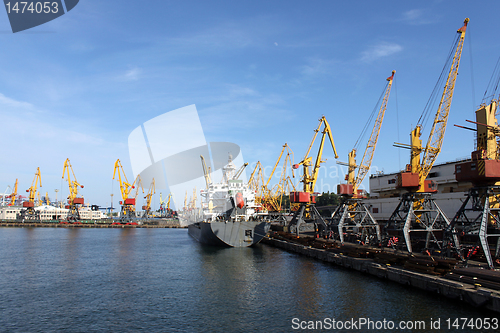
(260, 73)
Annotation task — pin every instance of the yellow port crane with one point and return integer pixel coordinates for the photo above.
(168, 201)
(413, 178)
(417, 212)
(477, 221)
(206, 172)
(272, 198)
(307, 212)
(147, 208)
(39, 201)
(127, 203)
(13, 194)
(138, 186)
(256, 183)
(366, 162)
(29, 213)
(351, 216)
(165, 209)
(74, 202)
(310, 175)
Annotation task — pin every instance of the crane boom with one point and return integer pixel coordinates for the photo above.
(306, 211)
(34, 185)
(138, 185)
(125, 186)
(73, 184)
(285, 146)
(13, 194)
(149, 196)
(436, 134)
(206, 171)
(252, 180)
(366, 161)
(240, 171)
(311, 176)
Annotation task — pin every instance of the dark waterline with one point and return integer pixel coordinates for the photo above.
(161, 280)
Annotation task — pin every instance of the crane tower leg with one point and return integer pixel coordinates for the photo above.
(474, 224)
(420, 221)
(353, 219)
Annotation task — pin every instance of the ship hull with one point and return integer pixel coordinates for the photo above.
(228, 233)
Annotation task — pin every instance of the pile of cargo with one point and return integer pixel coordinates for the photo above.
(422, 263)
(476, 276)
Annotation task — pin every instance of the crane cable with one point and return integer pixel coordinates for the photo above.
(492, 85)
(429, 107)
(370, 118)
(473, 88)
(397, 123)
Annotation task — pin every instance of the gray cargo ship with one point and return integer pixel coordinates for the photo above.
(228, 216)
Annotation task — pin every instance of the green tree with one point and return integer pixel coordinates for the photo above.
(327, 199)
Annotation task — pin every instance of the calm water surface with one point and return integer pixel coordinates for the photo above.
(161, 280)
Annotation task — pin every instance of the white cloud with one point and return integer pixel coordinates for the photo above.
(6, 101)
(413, 14)
(416, 17)
(317, 66)
(131, 75)
(381, 50)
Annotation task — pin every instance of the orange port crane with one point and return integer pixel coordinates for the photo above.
(417, 213)
(351, 215)
(74, 202)
(29, 213)
(307, 213)
(127, 204)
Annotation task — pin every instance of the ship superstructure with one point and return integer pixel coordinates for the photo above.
(228, 215)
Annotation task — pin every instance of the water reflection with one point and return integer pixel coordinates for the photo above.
(127, 280)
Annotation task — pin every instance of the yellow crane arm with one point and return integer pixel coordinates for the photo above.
(328, 131)
(185, 201)
(310, 178)
(14, 194)
(138, 185)
(366, 161)
(34, 185)
(276, 165)
(150, 194)
(206, 171)
(125, 186)
(73, 184)
(240, 171)
(436, 135)
(258, 166)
